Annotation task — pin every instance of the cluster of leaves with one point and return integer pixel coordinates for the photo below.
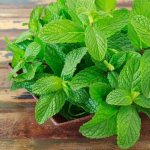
(87, 57)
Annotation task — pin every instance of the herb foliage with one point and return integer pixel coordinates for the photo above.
(87, 57)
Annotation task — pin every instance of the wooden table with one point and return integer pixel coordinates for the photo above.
(18, 129)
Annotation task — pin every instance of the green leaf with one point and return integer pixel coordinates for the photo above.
(106, 5)
(129, 78)
(113, 79)
(23, 37)
(141, 7)
(46, 85)
(85, 6)
(118, 59)
(22, 85)
(72, 11)
(55, 58)
(53, 12)
(72, 59)
(119, 97)
(141, 26)
(142, 101)
(102, 125)
(128, 127)
(98, 91)
(86, 77)
(120, 41)
(32, 51)
(17, 68)
(18, 53)
(145, 73)
(29, 72)
(90, 106)
(49, 105)
(34, 22)
(96, 43)
(111, 25)
(62, 31)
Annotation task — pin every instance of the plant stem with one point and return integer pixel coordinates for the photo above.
(108, 65)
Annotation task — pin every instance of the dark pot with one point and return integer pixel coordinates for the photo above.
(61, 122)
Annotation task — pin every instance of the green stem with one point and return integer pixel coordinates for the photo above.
(91, 20)
(108, 65)
(134, 95)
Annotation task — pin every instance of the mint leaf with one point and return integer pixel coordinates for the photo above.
(55, 58)
(47, 85)
(72, 5)
(145, 74)
(23, 37)
(29, 72)
(72, 59)
(86, 77)
(85, 6)
(102, 125)
(32, 51)
(62, 31)
(106, 5)
(141, 7)
(141, 26)
(119, 97)
(128, 127)
(34, 22)
(142, 101)
(99, 90)
(120, 41)
(17, 68)
(113, 79)
(118, 59)
(96, 43)
(22, 85)
(110, 25)
(49, 105)
(18, 53)
(129, 78)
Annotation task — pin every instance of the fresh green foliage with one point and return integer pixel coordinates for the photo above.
(72, 59)
(82, 57)
(61, 31)
(47, 85)
(106, 5)
(49, 105)
(119, 97)
(145, 73)
(103, 124)
(129, 125)
(96, 43)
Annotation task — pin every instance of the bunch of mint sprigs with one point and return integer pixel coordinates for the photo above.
(84, 57)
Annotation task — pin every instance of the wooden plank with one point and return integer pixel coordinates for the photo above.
(15, 12)
(46, 144)
(75, 144)
(4, 83)
(22, 124)
(20, 96)
(13, 23)
(5, 57)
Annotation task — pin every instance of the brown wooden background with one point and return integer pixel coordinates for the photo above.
(18, 129)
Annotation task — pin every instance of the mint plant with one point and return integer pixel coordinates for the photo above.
(87, 57)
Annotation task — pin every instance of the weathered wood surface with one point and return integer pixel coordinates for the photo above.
(18, 129)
